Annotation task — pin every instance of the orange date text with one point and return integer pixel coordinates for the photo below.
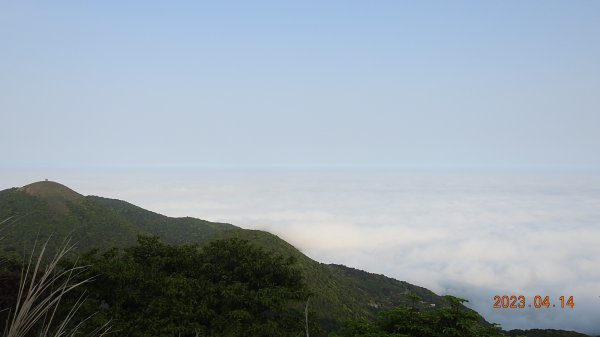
(538, 302)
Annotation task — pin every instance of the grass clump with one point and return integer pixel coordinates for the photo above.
(42, 287)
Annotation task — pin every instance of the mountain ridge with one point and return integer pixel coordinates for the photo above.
(340, 292)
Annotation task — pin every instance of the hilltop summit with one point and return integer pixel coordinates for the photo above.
(51, 190)
(57, 196)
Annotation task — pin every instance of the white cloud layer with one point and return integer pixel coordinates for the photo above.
(472, 235)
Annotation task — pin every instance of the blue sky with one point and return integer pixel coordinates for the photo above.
(427, 84)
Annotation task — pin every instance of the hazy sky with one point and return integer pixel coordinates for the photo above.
(421, 84)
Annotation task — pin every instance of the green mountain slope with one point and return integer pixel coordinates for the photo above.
(46, 208)
(42, 209)
(340, 292)
(37, 218)
(171, 230)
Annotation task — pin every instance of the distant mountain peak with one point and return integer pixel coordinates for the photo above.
(57, 195)
(50, 190)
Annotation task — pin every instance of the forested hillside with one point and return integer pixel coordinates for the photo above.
(182, 276)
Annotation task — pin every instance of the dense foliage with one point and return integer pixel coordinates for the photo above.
(227, 288)
(10, 276)
(338, 292)
(404, 321)
(544, 333)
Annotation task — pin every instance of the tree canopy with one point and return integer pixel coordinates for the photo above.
(226, 288)
(404, 321)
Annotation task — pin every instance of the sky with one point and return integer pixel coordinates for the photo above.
(418, 85)
(457, 139)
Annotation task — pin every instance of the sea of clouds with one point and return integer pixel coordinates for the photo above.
(472, 235)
